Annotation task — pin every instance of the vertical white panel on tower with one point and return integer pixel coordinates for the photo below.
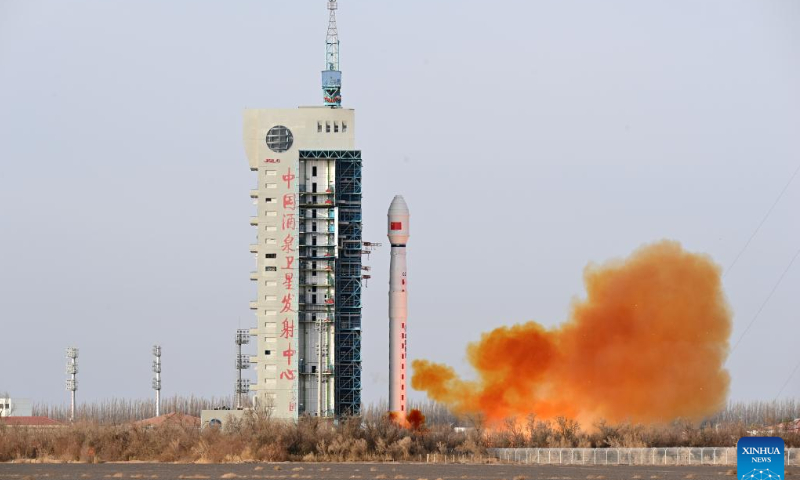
(398, 233)
(288, 325)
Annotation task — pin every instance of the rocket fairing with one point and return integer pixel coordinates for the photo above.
(398, 298)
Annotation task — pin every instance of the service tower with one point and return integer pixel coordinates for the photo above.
(308, 251)
(398, 300)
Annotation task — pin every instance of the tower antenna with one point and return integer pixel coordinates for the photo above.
(332, 76)
(157, 377)
(242, 363)
(72, 381)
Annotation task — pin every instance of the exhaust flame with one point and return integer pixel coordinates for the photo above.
(647, 345)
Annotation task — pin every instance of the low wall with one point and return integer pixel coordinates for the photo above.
(627, 456)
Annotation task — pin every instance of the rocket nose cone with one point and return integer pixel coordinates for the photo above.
(398, 221)
(398, 206)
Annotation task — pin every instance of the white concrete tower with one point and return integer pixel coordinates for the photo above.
(398, 300)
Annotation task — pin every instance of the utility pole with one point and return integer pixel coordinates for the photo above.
(72, 382)
(242, 363)
(319, 367)
(157, 377)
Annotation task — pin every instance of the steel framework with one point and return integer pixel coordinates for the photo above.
(347, 278)
(332, 76)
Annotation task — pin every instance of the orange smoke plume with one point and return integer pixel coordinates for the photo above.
(648, 344)
(415, 419)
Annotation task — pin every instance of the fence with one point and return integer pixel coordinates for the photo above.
(627, 456)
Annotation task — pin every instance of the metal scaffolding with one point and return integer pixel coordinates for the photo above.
(348, 284)
(345, 266)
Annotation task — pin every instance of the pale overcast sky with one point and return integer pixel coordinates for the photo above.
(528, 138)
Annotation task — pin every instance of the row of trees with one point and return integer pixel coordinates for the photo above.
(375, 438)
(116, 411)
(106, 429)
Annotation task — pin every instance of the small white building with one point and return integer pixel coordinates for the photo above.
(16, 407)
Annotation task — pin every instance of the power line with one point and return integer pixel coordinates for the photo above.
(769, 212)
(787, 380)
(785, 271)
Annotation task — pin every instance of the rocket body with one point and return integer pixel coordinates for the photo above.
(398, 302)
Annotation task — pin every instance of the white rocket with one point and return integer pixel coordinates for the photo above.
(398, 299)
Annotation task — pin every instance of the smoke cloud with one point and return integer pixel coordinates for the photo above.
(647, 344)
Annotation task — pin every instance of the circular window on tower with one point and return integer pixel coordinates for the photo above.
(279, 139)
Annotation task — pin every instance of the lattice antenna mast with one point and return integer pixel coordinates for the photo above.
(157, 377)
(332, 40)
(72, 381)
(332, 76)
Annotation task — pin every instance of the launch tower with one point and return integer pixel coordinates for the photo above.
(308, 251)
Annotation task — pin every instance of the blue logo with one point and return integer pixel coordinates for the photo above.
(760, 458)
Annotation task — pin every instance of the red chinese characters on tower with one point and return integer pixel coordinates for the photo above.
(289, 222)
(288, 243)
(289, 201)
(289, 353)
(288, 329)
(288, 177)
(287, 303)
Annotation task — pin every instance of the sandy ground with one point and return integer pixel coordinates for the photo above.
(364, 471)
